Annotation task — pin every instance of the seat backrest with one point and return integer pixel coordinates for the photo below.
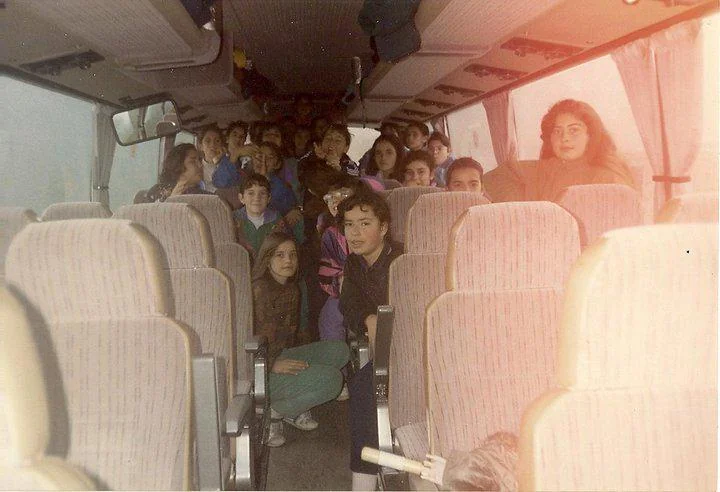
(117, 368)
(601, 207)
(432, 216)
(24, 413)
(216, 212)
(514, 245)
(12, 220)
(637, 403)
(76, 210)
(415, 280)
(400, 201)
(202, 294)
(691, 207)
(234, 261)
(489, 354)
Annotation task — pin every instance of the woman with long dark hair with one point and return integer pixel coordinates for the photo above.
(577, 149)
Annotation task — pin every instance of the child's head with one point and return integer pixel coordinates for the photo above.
(416, 135)
(365, 220)
(273, 133)
(387, 151)
(465, 174)
(417, 168)
(211, 143)
(338, 190)
(268, 159)
(439, 147)
(255, 194)
(336, 140)
(235, 134)
(278, 257)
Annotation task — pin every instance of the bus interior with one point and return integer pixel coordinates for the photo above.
(584, 326)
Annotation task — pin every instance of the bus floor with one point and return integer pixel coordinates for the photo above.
(314, 460)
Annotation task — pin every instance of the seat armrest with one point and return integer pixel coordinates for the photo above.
(256, 344)
(383, 338)
(238, 415)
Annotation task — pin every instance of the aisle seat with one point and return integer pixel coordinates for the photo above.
(25, 414)
(636, 406)
(432, 216)
(400, 201)
(234, 261)
(76, 210)
(691, 207)
(200, 292)
(599, 208)
(117, 366)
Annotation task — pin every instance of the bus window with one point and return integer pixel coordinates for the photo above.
(135, 167)
(470, 135)
(47, 146)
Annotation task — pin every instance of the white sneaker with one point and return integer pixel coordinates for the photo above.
(276, 437)
(344, 394)
(304, 421)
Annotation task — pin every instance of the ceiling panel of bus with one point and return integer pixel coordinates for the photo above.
(301, 45)
(556, 37)
(27, 39)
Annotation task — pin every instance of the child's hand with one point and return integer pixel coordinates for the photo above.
(289, 366)
(293, 217)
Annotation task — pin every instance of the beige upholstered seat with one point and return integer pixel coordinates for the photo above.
(400, 201)
(691, 207)
(12, 220)
(202, 294)
(601, 207)
(117, 367)
(514, 245)
(432, 216)
(24, 413)
(234, 261)
(415, 280)
(637, 403)
(506, 264)
(76, 210)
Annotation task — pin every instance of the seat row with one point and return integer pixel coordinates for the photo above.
(481, 343)
(154, 305)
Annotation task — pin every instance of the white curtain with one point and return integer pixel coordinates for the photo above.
(103, 155)
(500, 113)
(662, 76)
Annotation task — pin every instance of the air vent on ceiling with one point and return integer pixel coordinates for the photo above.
(481, 71)
(451, 90)
(427, 103)
(550, 51)
(55, 66)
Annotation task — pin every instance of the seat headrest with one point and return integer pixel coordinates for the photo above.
(76, 210)
(641, 310)
(432, 216)
(216, 212)
(90, 269)
(182, 231)
(514, 245)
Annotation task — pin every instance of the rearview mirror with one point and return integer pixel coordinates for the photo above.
(146, 123)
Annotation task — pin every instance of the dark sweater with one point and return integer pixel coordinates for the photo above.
(365, 287)
(276, 312)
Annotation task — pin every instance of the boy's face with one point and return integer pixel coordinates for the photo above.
(417, 173)
(465, 179)
(364, 232)
(255, 199)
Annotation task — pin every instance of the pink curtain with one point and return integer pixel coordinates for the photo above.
(501, 119)
(662, 75)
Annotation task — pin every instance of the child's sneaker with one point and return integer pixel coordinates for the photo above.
(304, 421)
(276, 437)
(344, 394)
